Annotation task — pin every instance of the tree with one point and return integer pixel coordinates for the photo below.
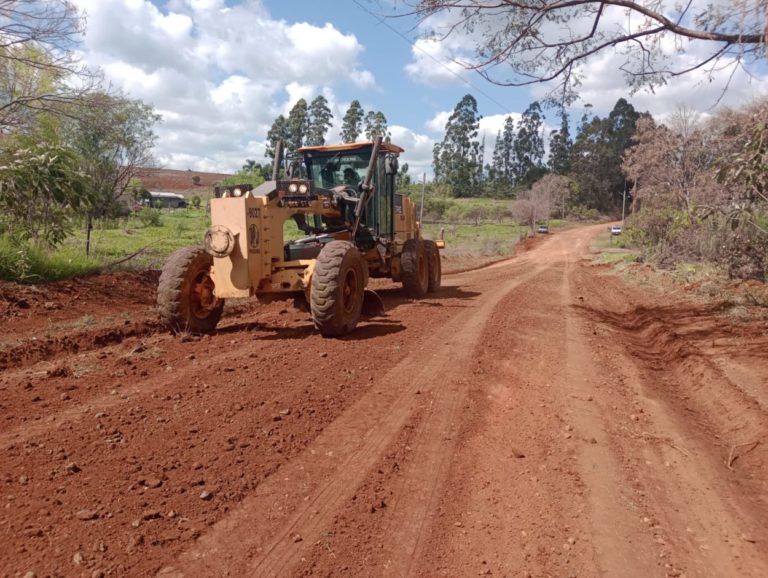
(500, 175)
(114, 137)
(351, 126)
(596, 159)
(41, 187)
(319, 121)
(457, 158)
(403, 178)
(277, 132)
(523, 43)
(534, 204)
(560, 146)
(528, 148)
(298, 126)
(376, 125)
(39, 70)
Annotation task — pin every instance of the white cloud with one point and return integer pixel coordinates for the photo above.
(218, 74)
(363, 78)
(603, 84)
(418, 150)
(438, 62)
(437, 123)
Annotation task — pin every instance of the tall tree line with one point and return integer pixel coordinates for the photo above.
(308, 124)
(591, 160)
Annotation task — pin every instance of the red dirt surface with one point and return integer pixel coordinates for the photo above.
(178, 181)
(537, 417)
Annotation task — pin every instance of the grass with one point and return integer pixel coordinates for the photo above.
(613, 249)
(114, 240)
(30, 264)
(484, 240)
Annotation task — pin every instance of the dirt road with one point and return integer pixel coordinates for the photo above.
(539, 417)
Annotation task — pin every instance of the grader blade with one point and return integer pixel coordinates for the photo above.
(372, 304)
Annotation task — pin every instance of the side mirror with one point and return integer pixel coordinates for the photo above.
(390, 164)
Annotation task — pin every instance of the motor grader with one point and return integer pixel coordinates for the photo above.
(353, 224)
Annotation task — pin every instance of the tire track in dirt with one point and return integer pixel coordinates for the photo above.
(32, 350)
(354, 443)
(684, 413)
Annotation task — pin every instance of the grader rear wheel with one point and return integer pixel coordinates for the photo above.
(185, 294)
(435, 267)
(338, 284)
(414, 267)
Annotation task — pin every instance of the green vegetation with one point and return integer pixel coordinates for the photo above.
(486, 240)
(26, 263)
(614, 249)
(152, 233)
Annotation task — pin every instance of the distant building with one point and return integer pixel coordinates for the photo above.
(162, 200)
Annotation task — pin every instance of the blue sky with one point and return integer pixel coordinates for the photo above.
(220, 71)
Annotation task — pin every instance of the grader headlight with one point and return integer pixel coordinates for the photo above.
(219, 241)
(293, 188)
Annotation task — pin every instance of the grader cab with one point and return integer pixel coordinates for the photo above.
(354, 226)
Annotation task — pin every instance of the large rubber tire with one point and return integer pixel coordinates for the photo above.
(414, 268)
(435, 267)
(338, 284)
(185, 293)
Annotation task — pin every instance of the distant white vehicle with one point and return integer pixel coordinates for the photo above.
(616, 230)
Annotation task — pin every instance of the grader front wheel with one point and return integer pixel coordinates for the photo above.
(338, 284)
(414, 266)
(435, 267)
(185, 294)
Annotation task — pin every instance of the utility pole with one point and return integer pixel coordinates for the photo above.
(423, 192)
(623, 204)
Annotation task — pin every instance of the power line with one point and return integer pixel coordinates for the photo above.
(382, 20)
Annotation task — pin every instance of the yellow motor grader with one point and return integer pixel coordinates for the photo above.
(354, 226)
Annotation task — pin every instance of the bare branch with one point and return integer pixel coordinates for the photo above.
(543, 40)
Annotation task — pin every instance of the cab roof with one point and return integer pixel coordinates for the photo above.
(385, 146)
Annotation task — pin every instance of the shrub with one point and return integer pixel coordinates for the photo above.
(150, 217)
(22, 262)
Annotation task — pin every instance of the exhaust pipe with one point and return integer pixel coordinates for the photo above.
(278, 160)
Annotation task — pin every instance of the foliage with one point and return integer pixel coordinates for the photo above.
(699, 189)
(40, 189)
(376, 125)
(403, 179)
(151, 217)
(196, 201)
(298, 126)
(501, 177)
(596, 159)
(113, 137)
(535, 204)
(319, 121)
(521, 43)
(279, 131)
(24, 262)
(457, 159)
(39, 69)
(351, 126)
(250, 174)
(560, 146)
(528, 147)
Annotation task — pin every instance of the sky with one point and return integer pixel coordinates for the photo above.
(220, 71)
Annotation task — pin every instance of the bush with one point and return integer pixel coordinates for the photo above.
(150, 217)
(22, 262)
(196, 200)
